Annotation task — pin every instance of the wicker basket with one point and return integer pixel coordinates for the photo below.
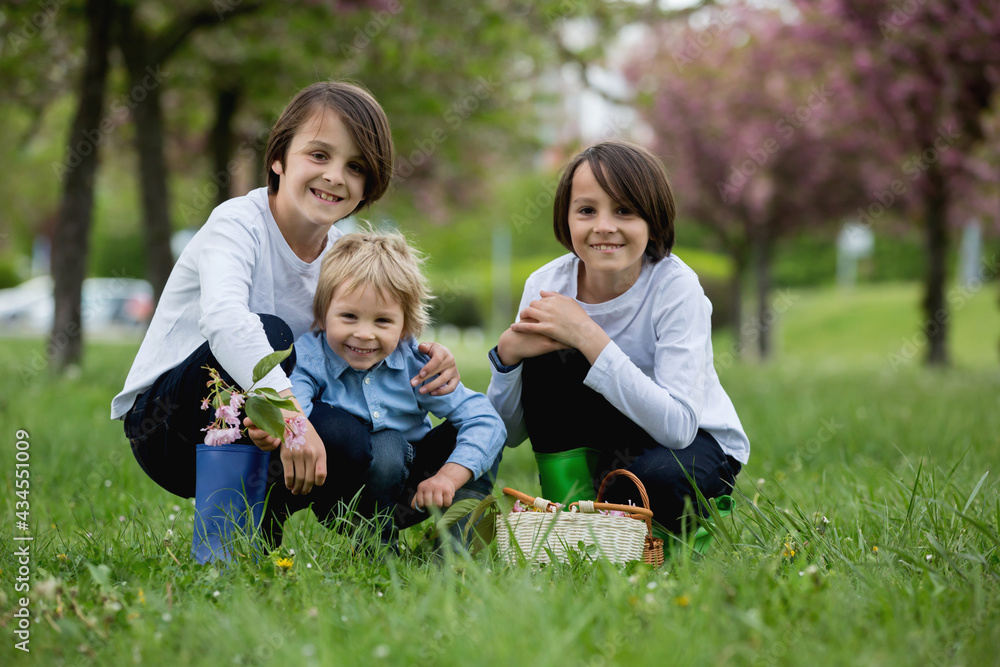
(552, 534)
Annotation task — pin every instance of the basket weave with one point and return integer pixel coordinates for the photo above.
(551, 533)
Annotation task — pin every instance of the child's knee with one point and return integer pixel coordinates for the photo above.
(391, 456)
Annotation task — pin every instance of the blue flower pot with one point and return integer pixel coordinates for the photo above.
(230, 491)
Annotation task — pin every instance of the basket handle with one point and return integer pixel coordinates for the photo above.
(539, 503)
(642, 494)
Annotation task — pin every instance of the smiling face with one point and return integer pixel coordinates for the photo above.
(363, 326)
(322, 175)
(608, 237)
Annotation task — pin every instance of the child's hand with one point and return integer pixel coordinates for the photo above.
(439, 490)
(514, 346)
(442, 363)
(304, 467)
(563, 319)
(260, 437)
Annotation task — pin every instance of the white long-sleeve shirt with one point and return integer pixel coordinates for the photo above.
(236, 265)
(658, 368)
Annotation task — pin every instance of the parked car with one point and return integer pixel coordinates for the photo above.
(109, 306)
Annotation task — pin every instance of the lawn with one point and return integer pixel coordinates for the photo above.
(866, 530)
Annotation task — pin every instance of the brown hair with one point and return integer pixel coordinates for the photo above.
(364, 119)
(384, 261)
(633, 177)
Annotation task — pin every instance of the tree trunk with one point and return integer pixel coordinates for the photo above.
(227, 100)
(738, 254)
(70, 242)
(936, 316)
(766, 315)
(144, 99)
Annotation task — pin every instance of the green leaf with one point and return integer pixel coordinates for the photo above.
(265, 416)
(265, 365)
(456, 512)
(268, 392)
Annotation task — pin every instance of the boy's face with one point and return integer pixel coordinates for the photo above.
(364, 326)
(323, 177)
(609, 238)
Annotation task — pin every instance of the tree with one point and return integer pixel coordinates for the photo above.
(69, 250)
(928, 72)
(750, 139)
(145, 53)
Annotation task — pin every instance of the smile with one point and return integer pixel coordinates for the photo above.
(605, 247)
(358, 350)
(326, 197)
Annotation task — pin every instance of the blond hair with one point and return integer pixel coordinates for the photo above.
(383, 261)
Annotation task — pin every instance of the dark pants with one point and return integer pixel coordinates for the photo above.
(561, 413)
(388, 467)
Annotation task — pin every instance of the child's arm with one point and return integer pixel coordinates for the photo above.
(667, 406)
(439, 490)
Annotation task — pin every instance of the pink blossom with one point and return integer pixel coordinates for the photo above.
(204, 404)
(221, 436)
(295, 432)
(229, 414)
(236, 400)
(518, 507)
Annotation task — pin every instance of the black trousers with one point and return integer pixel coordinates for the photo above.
(562, 413)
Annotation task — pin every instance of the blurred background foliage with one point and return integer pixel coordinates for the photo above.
(488, 100)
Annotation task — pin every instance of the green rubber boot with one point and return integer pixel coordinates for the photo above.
(567, 476)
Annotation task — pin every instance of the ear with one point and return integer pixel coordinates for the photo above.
(278, 168)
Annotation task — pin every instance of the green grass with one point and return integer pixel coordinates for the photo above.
(866, 531)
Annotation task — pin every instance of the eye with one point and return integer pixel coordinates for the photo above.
(318, 156)
(348, 316)
(384, 320)
(357, 168)
(624, 210)
(587, 210)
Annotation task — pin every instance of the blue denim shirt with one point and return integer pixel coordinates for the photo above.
(383, 398)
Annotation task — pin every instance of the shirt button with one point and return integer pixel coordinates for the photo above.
(375, 414)
(368, 380)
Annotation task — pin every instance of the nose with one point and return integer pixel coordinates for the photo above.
(334, 172)
(364, 331)
(604, 223)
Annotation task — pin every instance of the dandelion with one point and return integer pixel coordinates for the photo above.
(284, 563)
(62, 557)
(682, 600)
(788, 551)
(875, 549)
(142, 597)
